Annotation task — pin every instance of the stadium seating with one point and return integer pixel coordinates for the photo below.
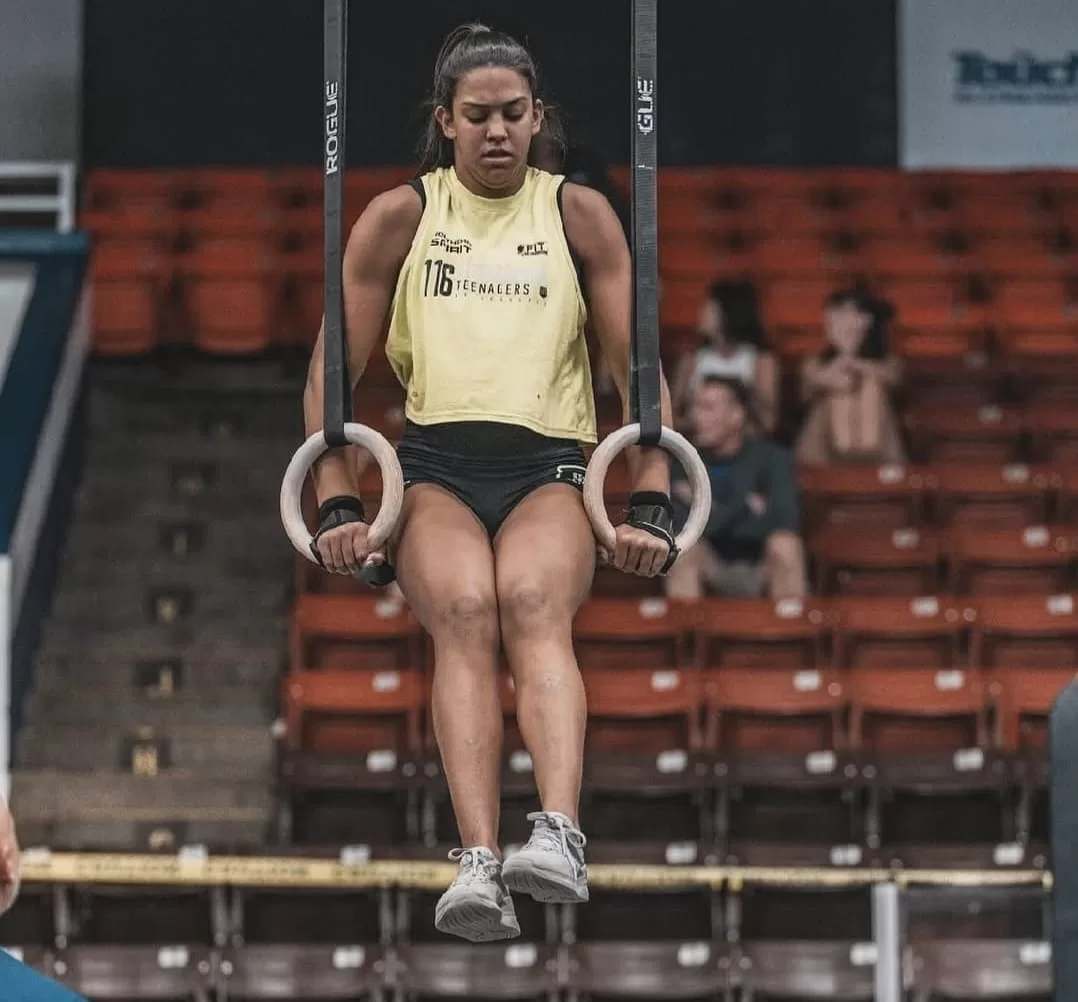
(897, 718)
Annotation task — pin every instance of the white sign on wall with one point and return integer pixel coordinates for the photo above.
(988, 83)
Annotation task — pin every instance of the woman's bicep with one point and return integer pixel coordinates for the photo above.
(596, 237)
(378, 244)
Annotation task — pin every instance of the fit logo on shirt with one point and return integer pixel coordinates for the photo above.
(536, 249)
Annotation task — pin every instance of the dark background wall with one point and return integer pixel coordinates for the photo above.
(186, 82)
(40, 77)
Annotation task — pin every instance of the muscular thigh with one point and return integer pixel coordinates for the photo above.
(444, 563)
(544, 557)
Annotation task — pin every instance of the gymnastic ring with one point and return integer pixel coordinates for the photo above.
(294, 476)
(681, 449)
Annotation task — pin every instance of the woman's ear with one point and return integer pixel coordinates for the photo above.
(538, 113)
(444, 119)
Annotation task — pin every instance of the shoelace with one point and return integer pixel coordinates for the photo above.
(475, 862)
(555, 831)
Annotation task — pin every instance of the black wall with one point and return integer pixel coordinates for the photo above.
(232, 82)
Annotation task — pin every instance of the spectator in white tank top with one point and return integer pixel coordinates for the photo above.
(733, 346)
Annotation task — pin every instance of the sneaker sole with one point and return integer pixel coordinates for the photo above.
(475, 921)
(542, 885)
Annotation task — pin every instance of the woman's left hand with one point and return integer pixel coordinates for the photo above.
(637, 551)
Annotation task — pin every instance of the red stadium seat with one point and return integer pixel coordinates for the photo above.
(129, 277)
(1007, 496)
(929, 709)
(948, 433)
(891, 496)
(231, 291)
(1017, 631)
(875, 561)
(1023, 700)
(895, 632)
(1030, 561)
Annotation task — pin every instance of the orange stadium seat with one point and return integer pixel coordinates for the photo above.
(1042, 364)
(231, 291)
(1020, 257)
(1010, 216)
(346, 631)
(679, 304)
(907, 259)
(1004, 496)
(129, 277)
(892, 496)
(929, 303)
(701, 261)
(796, 215)
(796, 303)
(206, 187)
(801, 256)
(356, 680)
(874, 561)
(629, 634)
(637, 711)
(234, 219)
(964, 433)
(759, 633)
(930, 709)
(1034, 560)
(106, 186)
(1042, 305)
(1053, 429)
(345, 711)
(1018, 631)
(926, 631)
(1023, 700)
(303, 290)
(774, 710)
(295, 186)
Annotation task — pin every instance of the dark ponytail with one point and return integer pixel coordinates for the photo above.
(467, 48)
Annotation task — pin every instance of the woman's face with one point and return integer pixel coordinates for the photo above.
(491, 125)
(711, 324)
(845, 327)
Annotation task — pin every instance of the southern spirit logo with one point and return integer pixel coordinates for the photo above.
(1024, 78)
(537, 249)
(333, 145)
(497, 282)
(645, 106)
(451, 245)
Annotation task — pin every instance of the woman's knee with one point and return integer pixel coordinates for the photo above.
(468, 618)
(529, 608)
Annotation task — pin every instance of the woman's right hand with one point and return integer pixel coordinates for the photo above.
(344, 549)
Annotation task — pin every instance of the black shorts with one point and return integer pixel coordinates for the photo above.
(489, 466)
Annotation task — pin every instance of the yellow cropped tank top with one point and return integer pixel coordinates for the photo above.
(487, 320)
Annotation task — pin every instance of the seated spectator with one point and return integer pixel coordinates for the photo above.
(847, 388)
(733, 346)
(751, 545)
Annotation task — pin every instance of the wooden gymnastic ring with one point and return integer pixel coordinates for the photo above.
(392, 487)
(681, 449)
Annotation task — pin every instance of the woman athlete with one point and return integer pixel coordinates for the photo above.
(483, 266)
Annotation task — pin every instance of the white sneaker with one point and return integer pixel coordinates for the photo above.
(551, 866)
(477, 906)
